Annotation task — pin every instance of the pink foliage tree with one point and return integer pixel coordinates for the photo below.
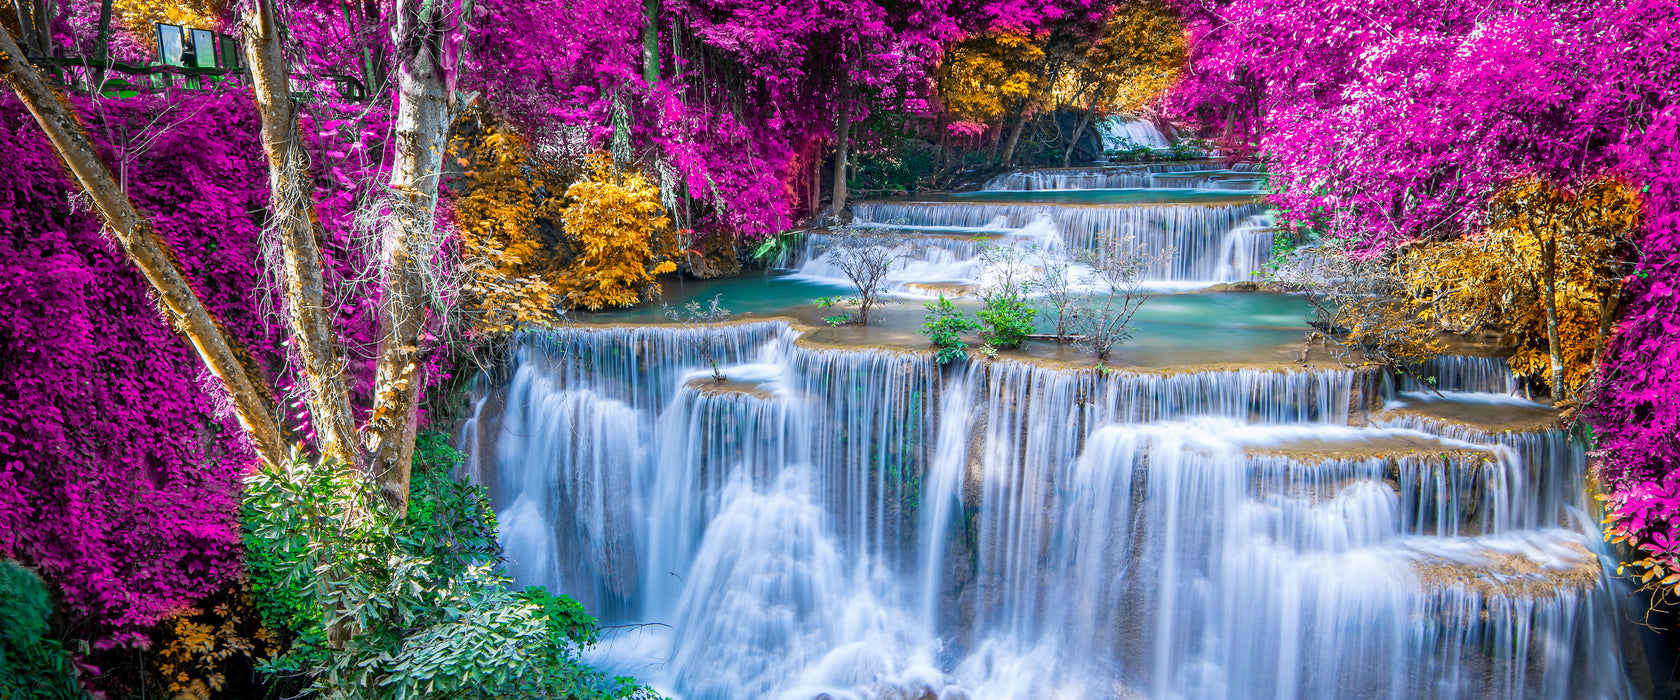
(1386, 121)
(118, 468)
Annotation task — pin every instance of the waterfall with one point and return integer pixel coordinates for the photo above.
(868, 524)
(1118, 177)
(1193, 232)
(1245, 249)
(1197, 235)
(1124, 132)
(1462, 373)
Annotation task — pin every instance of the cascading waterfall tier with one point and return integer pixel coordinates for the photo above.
(1462, 373)
(1125, 132)
(1114, 177)
(1191, 230)
(866, 524)
(1194, 243)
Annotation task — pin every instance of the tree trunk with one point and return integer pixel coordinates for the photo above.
(379, 64)
(1606, 313)
(252, 398)
(815, 190)
(843, 134)
(1548, 249)
(102, 51)
(650, 42)
(944, 146)
(26, 11)
(992, 151)
(422, 125)
(1008, 160)
(292, 206)
(44, 12)
(1078, 131)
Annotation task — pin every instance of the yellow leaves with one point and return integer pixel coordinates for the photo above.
(514, 275)
(536, 238)
(1496, 278)
(624, 238)
(988, 75)
(1138, 58)
(197, 647)
(137, 17)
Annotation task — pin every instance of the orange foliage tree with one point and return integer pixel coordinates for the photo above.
(1545, 270)
(517, 275)
(1134, 62)
(622, 236)
(986, 76)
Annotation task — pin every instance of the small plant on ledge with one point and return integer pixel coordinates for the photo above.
(839, 319)
(1004, 308)
(864, 254)
(945, 326)
(710, 319)
(1106, 320)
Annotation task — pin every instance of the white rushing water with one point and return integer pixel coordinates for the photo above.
(866, 524)
(1190, 175)
(1193, 245)
(1126, 132)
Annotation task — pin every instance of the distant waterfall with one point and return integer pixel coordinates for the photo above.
(1195, 235)
(1123, 132)
(867, 524)
(1115, 177)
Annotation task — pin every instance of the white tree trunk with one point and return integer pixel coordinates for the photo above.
(292, 208)
(422, 127)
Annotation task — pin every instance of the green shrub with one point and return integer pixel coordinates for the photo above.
(840, 319)
(944, 326)
(426, 609)
(1009, 320)
(32, 665)
(1003, 299)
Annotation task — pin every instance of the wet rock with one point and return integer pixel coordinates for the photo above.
(713, 256)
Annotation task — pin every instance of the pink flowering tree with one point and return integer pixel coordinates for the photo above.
(1388, 121)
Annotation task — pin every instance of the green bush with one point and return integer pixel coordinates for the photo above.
(907, 164)
(1009, 320)
(944, 326)
(840, 319)
(32, 665)
(1003, 298)
(426, 609)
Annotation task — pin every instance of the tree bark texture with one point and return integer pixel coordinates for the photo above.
(650, 41)
(32, 18)
(103, 50)
(1548, 249)
(292, 206)
(815, 190)
(422, 126)
(842, 150)
(252, 398)
(1008, 160)
(1078, 131)
(1606, 314)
